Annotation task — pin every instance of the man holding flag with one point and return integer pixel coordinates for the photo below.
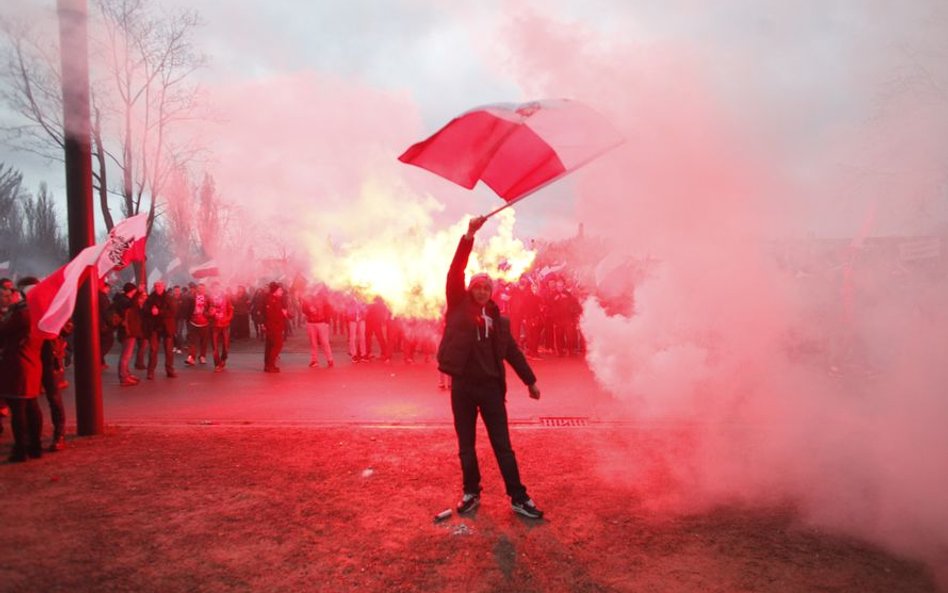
(475, 345)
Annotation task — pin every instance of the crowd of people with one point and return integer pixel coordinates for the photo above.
(198, 321)
(195, 323)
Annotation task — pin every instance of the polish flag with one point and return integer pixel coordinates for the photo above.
(53, 300)
(125, 244)
(208, 268)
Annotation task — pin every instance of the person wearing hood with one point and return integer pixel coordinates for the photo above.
(475, 345)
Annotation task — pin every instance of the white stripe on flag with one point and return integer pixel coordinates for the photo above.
(63, 304)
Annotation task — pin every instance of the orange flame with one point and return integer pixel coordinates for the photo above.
(406, 263)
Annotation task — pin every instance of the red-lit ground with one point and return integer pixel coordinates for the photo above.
(245, 481)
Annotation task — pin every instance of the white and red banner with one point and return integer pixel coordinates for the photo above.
(53, 300)
(208, 268)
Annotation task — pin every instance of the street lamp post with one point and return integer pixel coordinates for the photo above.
(74, 51)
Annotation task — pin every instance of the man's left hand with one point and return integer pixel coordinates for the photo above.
(534, 391)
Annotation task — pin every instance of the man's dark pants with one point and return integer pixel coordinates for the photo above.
(487, 397)
(26, 419)
(167, 342)
(54, 396)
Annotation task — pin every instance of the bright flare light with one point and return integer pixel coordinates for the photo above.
(406, 264)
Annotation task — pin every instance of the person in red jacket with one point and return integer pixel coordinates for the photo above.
(473, 350)
(21, 373)
(274, 319)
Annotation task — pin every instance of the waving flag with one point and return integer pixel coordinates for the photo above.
(207, 269)
(53, 300)
(515, 149)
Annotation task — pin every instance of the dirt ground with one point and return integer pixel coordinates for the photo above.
(217, 508)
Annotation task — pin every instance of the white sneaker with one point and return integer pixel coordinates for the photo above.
(468, 503)
(527, 509)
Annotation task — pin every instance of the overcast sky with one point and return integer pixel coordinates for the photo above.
(814, 81)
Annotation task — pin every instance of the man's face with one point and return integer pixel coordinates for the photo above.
(15, 296)
(160, 288)
(177, 291)
(480, 292)
(5, 296)
(201, 289)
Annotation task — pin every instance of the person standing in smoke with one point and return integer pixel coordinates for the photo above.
(240, 328)
(355, 318)
(128, 330)
(377, 316)
(198, 326)
(318, 313)
(475, 344)
(220, 314)
(275, 315)
(107, 322)
(21, 371)
(161, 312)
(53, 357)
(565, 310)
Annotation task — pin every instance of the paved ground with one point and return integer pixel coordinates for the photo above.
(374, 392)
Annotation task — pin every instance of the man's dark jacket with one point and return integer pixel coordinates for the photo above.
(165, 320)
(460, 328)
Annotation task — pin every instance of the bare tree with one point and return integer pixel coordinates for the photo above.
(11, 215)
(209, 216)
(178, 213)
(142, 62)
(150, 59)
(42, 233)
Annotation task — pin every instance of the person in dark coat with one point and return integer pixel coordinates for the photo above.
(274, 319)
(107, 322)
(240, 327)
(161, 319)
(21, 371)
(475, 344)
(128, 331)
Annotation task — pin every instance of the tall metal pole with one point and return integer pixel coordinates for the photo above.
(74, 50)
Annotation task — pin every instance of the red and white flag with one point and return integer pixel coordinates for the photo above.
(208, 268)
(53, 300)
